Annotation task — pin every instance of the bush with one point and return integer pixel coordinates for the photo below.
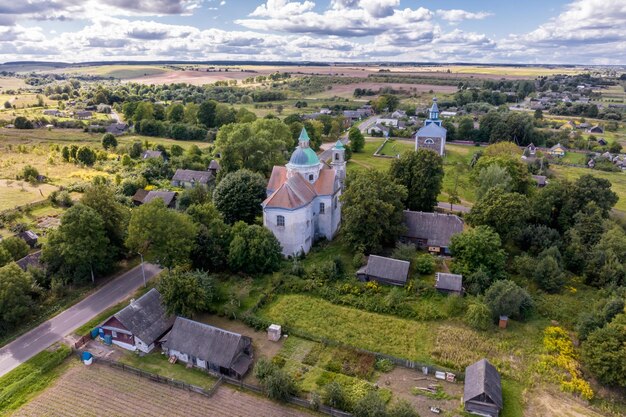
(404, 252)
(358, 260)
(402, 408)
(425, 264)
(334, 396)
(109, 141)
(384, 365)
(371, 405)
(279, 385)
(29, 173)
(263, 369)
(22, 122)
(478, 316)
(506, 298)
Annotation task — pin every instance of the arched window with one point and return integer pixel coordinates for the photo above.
(336, 157)
(429, 142)
(280, 221)
(310, 177)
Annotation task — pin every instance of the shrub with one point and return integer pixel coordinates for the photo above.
(334, 396)
(263, 369)
(425, 264)
(479, 316)
(29, 173)
(404, 252)
(506, 298)
(402, 408)
(358, 260)
(371, 405)
(279, 385)
(384, 365)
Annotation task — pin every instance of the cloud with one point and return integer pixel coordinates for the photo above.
(457, 15)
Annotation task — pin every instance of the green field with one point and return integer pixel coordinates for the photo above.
(116, 71)
(618, 180)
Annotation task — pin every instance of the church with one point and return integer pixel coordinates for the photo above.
(302, 203)
(432, 135)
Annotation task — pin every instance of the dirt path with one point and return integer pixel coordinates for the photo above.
(102, 391)
(547, 404)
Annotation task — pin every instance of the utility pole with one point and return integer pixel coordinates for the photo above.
(143, 271)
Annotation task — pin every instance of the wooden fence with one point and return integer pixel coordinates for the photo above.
(208, 393)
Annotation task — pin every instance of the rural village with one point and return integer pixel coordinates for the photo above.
(306, 237)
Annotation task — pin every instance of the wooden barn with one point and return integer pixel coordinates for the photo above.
(140, 324)
(431, 231)
(482, 394)
(449, 283)
(384, 270)
(207, 347)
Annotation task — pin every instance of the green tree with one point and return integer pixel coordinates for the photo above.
(493, 176)
(506, 298)
(370, 405)
(538, 114)
(5, 256)
(109, 141)
(161, 234)
(478, 316)
(372, 210)
(143, 111)
(16, 247)
(224, 115)
(239, 196)
(176, 113)
(16, 303)
(421, 172)
(102, 199)
(206, 113)
(253, 249)
(86, 155)
(356, 138)
(186, 293)
(191, 113)
(506, 213)
(548, 272)
(65, 153)
(521, 181)
(477, 248)
(280, 386)
(22, 122)
(466, 126)
(213, 239)
(79, 248)
(604, 352)
(30, 173)
(256, 146)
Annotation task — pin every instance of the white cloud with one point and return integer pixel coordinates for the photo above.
(457, 15)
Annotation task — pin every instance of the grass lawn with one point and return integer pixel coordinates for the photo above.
(18, 193)
(574, 158)
(618, 180)
(32, 377)
(158, 363)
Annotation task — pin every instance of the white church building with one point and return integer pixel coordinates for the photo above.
(432, 135)
(302, 203)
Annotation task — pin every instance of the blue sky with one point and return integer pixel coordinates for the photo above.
(486, 31)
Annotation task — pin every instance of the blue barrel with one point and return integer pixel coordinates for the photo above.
(86, 356)
(94, 332)
(108, 339)
(101, 332)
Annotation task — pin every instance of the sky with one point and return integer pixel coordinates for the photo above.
(581, 32)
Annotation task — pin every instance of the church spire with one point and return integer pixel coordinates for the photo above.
(434, 110)
(303, 140)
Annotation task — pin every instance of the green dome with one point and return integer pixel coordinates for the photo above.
(304, 157)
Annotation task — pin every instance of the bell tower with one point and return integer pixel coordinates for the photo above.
(339, 161)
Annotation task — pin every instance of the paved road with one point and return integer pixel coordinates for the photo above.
(326, 148)
(455, 207)
(55, 329)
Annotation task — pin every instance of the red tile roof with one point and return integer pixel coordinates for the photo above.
(325, 184)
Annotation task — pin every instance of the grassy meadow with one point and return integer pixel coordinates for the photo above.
(618, 180)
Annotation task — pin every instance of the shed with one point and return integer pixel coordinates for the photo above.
(139, 325)
(214, 167)
(168, 197)
(540, 180)
(32, 260)
(384, 270)
(596, 129)
(29, 237)
(482, 394)
(431, 230)
(139, 196)
(151, 154)
(189, 178)
(209, 347)
(449, 283)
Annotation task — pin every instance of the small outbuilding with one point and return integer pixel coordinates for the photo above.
(482, 394)
(168, 197)
(151, 154)
(596, 129)
(449, 283)
(384, 270)
(540, 180)
(139, 325)
(432, 231)
(214, 167)
(188, 178)
(32, 260)
(207, 347)
(29, 237)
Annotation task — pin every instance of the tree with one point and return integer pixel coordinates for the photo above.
(280, 386)
(5, 256)
(521, 180)
(506, 298)
(356, 138)
(161, 234)
(421, 172)
(143, 111)
(334, 396)
(30, 173)
(175, 113)
(186, 293)
(22, 122)
(538, 114)
(206, 113)
(239, 196)
(548, 273)
(464, 131)
(224, 115)
(479, 316)
(16, 303)
(493, 176)
(101, 198)
(65, 153)
(212, 244)
(16, 247)
(478, 248)
(370, 405)
(372, 210)
(86, 155)
(253, 249)
(504, 212)
(604, 352)
(109, 141)
(79, 248)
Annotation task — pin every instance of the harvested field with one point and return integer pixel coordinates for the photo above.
(100, 390)
(347, 90)
(18, 193)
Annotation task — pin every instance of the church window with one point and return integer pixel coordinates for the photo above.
(310, 177)
(336, 157)
(280, 221)
(429, 142)
(322, 208)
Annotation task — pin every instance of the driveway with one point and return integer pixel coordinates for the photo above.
(55, 329)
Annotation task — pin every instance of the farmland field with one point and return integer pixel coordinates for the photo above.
(100, 390)
(17, 193)
(347, 90)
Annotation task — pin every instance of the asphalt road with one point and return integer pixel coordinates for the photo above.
(326, 148)
(55, 329)
(455, 207)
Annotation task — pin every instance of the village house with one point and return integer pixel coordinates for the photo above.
(142, 197)
(385, 121)
(139, 196)
(384, 270)
(139, 325)
(151, 154)
(531, 150)
(302, 203)
(187, 178)
(83, 115)
(557, 150)
(482, 394)
(378, 130)
(596, 129)
(53, 112)
(214, 168)
(117, 128)
(398, 114)
(432, 135)
(431, 230)
(210, 348)
(449, 283)
(32, 260)
(446, 114)
(602, 142)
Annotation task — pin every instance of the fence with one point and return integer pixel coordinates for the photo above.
(82, 341)
(208, 393)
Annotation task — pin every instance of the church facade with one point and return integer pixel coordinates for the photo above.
(302, 203)
(432, 135)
